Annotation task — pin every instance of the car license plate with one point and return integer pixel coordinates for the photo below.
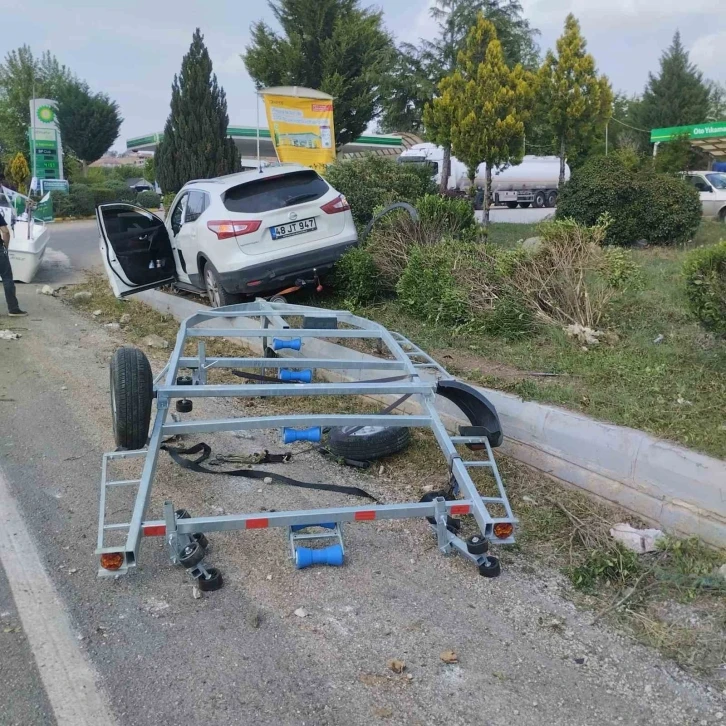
(292, 228)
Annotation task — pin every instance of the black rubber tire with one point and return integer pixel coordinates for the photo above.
(552, 199)
(368, 443)
(722, 216)
(191, 556)
(278, 299)
(524, 205)
(182, 514)
(512, 205)
(184, 405)
(477, 545)
(453, 525)
(218, 297)
(132, 391)
(201, 539)
(214, 582)
(184, 381)
(540, 200)
(490, 568)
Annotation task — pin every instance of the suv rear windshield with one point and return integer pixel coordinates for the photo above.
(275, 192)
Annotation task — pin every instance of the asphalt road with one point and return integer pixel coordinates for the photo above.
(143, 650)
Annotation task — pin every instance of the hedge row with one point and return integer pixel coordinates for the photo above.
(82, 200)
(705, 273)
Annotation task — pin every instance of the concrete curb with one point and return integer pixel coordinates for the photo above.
(668, 485)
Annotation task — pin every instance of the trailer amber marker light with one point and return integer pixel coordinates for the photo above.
(112, 560)
(502, 530)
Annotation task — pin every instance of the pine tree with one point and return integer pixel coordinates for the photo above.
(334, 46)
(195, 143)
(487, 104)
(576, 99)
(678, 95)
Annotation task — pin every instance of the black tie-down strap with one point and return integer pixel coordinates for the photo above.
(205, 450)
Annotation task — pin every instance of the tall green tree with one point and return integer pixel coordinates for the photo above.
(577, 100)
(18, 172)
(677, 95)
(717, 101)
(489, 104)
(195, 143)
(334, 46)
(89, 122)
(22, 74)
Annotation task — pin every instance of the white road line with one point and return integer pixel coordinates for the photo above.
(68, 677)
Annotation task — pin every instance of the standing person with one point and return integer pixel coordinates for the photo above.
(6, 271)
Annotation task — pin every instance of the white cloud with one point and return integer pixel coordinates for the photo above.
(707, 53)
(231, 65)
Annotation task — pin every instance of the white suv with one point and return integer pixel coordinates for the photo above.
(711, 186)
(234, 237)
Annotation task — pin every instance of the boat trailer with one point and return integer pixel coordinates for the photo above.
(295, 375)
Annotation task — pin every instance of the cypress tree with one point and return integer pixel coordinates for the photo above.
(677, 96)
(195, 143)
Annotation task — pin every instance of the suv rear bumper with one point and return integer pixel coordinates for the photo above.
(277, 274)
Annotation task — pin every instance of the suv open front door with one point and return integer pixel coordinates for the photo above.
(135, 248)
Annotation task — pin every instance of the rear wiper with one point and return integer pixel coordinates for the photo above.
(300, 198)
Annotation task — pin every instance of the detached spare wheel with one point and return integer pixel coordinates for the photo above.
(132, 390)
(368, 443)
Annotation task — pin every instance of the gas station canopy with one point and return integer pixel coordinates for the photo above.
(710, 137)
(245, 138)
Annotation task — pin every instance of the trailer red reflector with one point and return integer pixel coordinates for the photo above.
(366, 516)
(261, 523)
(154, 530)
(460, 509)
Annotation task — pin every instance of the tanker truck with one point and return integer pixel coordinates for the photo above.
(534, 182)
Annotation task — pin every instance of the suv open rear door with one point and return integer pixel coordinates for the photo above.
(135, 248)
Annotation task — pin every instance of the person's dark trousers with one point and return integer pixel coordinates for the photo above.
(6, 272)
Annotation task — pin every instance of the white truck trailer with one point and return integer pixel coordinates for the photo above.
(534, 182)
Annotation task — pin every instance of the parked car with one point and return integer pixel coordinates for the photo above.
(234, 237)
(711, 186)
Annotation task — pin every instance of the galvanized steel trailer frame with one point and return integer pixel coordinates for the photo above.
(404, 359)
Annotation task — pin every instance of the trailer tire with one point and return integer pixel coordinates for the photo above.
(132, 390)
(552, 199)
(367, 443)
(540, 200)
(524, 205)
(512, 205)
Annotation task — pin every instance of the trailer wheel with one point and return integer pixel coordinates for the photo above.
(132, 390)
(552, 199)
(211, 583)
(512, 205)
(490, 567)
(524, 205)
(540, 200)
(368, 443)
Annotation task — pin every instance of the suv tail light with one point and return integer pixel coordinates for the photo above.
(339, 204)
(224, 229)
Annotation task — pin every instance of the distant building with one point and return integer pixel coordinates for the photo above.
(128, 158)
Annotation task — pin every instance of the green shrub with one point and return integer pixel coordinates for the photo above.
(167, 199)
(103, 195)
(62, 206)
(79, 202)
(355, 277)
(615, 566)
(705, 273)
(428, 289)
(375, 181)
(621, 269)
(641, 203)
(148, 199)
(455, 215)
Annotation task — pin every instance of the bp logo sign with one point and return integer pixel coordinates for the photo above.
(46, 114)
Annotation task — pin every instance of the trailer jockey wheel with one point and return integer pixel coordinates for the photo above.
(201, 539)
(453, 525)
(184, 381)
(191, 555)
(211, 581)
(490, 567)
(184, 405)
(182, 514)
(477, 545)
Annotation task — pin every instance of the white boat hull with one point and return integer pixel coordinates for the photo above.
(27, 254)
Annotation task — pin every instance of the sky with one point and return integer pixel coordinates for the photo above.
(132, 49)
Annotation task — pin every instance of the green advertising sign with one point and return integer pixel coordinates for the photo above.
(46, 153)
(699, 131)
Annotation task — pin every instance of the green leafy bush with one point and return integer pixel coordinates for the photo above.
(355, 277)
(621, 269)
(103, 195)
(705, 273)
(616, 566)
(375, 181)
(79, 202)
(148, 199)
(62, 206)
(641, 203)
(455, 215)
(428, 289)
(167, 199)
